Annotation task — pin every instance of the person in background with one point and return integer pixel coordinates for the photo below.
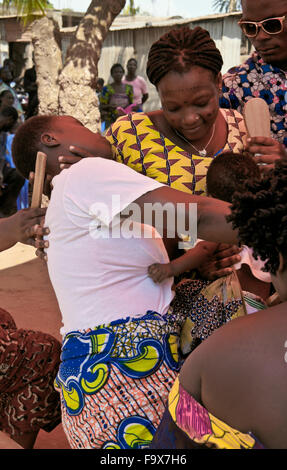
(11, 182)
(5, 80)
(264, 73)
(9, 116)
(31, 87)
(6, 99)
(115, 95)
(99, 85)
(230, 393)
(138, 83)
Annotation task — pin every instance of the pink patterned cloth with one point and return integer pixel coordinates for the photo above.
(191, 416)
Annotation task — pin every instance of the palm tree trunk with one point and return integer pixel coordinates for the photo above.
(77, 96)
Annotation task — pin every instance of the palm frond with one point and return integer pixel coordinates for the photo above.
(27, 10)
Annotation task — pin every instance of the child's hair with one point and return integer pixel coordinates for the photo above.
(228, 172)
(26, 142)
(259, 212)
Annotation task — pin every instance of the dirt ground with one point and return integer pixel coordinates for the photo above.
(26, 293)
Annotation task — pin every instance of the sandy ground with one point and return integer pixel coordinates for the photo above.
(26, 293)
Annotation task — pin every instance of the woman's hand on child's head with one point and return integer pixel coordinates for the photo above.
(78, 154)
(221, 263)
(266, 151)
(159, 272)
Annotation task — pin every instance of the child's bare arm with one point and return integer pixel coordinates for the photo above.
(192, 259)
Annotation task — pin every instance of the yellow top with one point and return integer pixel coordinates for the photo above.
(137, 143)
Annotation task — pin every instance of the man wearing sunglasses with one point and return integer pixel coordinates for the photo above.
(264, 74)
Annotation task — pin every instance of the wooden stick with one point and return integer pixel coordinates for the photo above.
(257, 118)
(39, 179)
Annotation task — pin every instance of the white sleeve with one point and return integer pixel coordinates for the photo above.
(96, 188)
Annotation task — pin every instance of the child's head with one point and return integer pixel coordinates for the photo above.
(228, 172)
(99, 84)
(259, 212)
(54, 135)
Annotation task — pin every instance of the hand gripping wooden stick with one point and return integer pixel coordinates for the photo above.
(39, 179)
(257, 118)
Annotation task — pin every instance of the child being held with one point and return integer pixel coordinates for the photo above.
(225, 176)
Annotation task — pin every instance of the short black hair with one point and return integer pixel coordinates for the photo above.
(26, 142)
(259, 212)
(115, 66)
(228, 172)
(4, 92)
(10, 111)
(132, 59)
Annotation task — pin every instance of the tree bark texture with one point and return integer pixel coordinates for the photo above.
(48, 61)
(77, 95)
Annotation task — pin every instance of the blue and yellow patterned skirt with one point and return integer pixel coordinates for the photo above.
(115, 379)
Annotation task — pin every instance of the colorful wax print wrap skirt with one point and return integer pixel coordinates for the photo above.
(115, 379)
(29, 361)
(186, 424)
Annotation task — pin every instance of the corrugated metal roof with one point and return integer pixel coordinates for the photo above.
(137, 22)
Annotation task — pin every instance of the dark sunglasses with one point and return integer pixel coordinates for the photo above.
(270, 26)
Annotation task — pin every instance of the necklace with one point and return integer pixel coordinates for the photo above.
(202, 152)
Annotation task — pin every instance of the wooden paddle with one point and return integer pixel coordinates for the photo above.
(39, 179)
(257, 118)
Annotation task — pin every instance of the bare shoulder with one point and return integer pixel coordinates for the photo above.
(240, 374)
(249, 338)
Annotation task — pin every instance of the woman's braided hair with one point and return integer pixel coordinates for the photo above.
(180, 49)
(260, 215)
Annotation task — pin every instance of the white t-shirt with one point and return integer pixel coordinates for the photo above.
(97, 279)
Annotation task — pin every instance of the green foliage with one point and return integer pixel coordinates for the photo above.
(26, 9)
(131, 9)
